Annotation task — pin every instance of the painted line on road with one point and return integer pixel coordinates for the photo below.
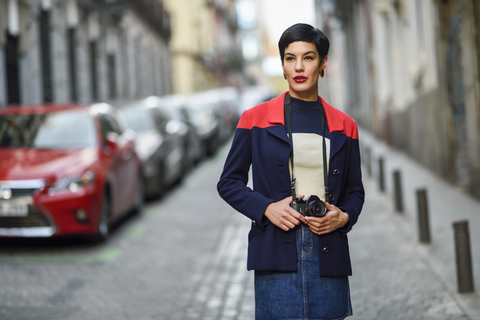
(107, 255)
(135, 232)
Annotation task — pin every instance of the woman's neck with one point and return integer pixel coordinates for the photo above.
(311, 95)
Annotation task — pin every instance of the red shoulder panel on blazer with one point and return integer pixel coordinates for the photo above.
(270, 113)
(255, 117)
(340, 121)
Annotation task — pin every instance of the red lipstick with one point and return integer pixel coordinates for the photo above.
(300, 79)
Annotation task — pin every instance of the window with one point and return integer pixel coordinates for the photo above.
(12, 69)
(109, 124)
(72, 64)
(139, 119)
(125, 65)
(93, 70)
(45, 56)
(161, 120)
(112, 79)
(59, 130)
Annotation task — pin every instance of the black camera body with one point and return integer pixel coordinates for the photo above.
(312, 206)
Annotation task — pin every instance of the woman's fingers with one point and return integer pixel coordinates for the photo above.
(331, 221)
(282, 215)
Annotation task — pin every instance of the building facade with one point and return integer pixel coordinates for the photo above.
(412, 78)
(204, 46)
(54, 51)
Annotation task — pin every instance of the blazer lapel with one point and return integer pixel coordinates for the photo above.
(276, 118)
(337, 140)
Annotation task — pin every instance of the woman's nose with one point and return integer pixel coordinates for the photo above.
(299, 65)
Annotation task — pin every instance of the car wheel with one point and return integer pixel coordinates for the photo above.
(161, 183)
(139, 197)
(212, 144)
(201, 152)
(104, 222)
(186, 160)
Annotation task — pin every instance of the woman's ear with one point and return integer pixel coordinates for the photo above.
(324, 62)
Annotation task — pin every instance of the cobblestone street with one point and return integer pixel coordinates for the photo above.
(185, 258)
(117, 117)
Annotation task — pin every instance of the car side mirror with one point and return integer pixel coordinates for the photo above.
(112, 143)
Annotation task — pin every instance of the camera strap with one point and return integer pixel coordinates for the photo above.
(288, 122)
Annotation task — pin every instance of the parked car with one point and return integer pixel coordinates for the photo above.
(66, 170)
(228, 102)
(253, 95)
(201, 110)
(174, 107)
(158, 143)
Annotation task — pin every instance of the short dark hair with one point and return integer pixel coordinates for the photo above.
(306, 33)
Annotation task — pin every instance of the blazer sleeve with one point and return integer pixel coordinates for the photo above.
(232, 186)
(354, 192)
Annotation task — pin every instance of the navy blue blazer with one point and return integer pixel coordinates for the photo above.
(261, 141)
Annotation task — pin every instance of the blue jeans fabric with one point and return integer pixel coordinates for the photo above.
(302, 294)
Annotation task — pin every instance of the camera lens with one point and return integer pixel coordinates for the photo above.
(317, 208)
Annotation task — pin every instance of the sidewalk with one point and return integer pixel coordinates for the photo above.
(395, 276)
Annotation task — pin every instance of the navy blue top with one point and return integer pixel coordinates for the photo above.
(306, 117)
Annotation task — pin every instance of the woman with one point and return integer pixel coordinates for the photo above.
(301, 260)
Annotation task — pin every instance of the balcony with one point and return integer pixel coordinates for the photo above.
(152, 11)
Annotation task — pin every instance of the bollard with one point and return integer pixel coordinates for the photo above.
(422, 211)
(368, 156)
(463, 257)
(397, 189)
(381, 178)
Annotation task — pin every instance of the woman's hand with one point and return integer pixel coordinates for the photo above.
(282, 215)
(331, 221)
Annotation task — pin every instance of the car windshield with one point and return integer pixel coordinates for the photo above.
(171, 113)
(59, 130)
(139, 119)
(200, 110)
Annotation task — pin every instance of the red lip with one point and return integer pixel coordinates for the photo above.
(300, 79)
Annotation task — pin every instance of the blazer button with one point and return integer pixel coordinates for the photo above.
(254, 222)
(325, 249)
(336, 172)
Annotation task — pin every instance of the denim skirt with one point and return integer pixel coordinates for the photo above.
(302, 294)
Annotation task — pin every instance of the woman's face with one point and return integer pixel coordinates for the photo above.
(302, 65)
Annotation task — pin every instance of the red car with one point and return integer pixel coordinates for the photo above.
(66, 170)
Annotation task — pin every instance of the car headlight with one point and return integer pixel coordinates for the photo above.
(72, 183)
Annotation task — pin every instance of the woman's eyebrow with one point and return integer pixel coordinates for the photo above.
(288, 53)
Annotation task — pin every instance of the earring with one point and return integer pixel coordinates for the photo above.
(284, 75)
(322, 72)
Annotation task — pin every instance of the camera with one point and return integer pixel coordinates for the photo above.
(312, 206)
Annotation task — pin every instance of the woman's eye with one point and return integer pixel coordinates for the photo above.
(308, 58)
(289, 58)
